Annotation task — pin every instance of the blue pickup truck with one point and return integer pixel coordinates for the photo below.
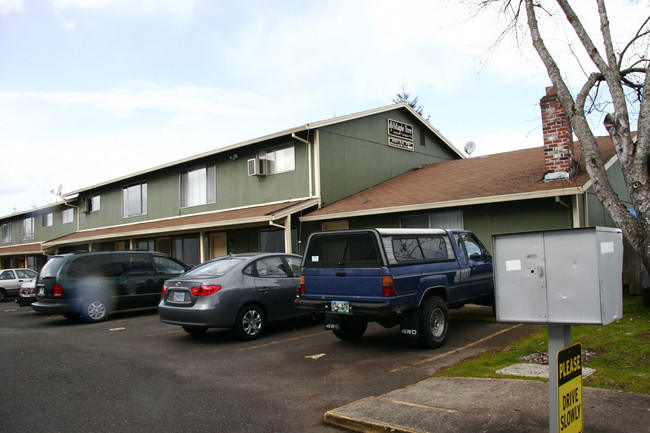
(406, 277)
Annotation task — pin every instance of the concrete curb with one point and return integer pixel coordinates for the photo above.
(449, 404)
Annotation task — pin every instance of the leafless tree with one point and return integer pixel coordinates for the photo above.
(618, 77)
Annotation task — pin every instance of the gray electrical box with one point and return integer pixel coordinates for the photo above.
(567, 276)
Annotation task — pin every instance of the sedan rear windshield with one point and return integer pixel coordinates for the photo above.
(215, 268)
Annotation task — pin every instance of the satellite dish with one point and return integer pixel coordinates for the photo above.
(470, 147)
(60, 188)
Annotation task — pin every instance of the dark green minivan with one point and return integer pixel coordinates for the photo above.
(92, 284)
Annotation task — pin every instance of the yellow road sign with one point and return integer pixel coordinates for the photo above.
(569, 398)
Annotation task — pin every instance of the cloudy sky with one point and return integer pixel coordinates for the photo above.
(91, 90)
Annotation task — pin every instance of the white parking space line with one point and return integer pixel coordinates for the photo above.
(259, 346)
(451, 352)
(176, 331)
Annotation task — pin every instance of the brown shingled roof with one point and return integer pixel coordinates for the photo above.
(232, 218)
(491, 178)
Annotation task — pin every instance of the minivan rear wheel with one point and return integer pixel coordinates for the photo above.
(95, 309)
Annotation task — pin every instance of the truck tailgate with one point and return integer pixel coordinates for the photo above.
(343, 284)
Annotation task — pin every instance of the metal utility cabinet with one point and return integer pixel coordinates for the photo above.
(567, 276)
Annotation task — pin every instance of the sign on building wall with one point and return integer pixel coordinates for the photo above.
(400, 144)
(401, 135)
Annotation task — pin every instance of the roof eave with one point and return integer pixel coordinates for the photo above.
(447, 204)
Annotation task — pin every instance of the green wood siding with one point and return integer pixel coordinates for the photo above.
(355, 155)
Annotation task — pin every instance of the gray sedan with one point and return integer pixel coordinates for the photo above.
(243, 292)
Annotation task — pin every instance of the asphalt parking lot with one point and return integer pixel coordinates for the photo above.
(133, 373)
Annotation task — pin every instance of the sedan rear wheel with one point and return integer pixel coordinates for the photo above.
(251, 322)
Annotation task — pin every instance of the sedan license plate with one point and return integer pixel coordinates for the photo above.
(340, 307)
(41, 291)
(179, 296)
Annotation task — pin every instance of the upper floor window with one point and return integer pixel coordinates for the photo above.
(28, 228)
(67, 215)
(6, 232)
(48, 219)
(134, 200)
(94, 203)
(280, 159)
(199, 186)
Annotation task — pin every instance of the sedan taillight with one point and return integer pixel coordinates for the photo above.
(164, 289)
(205, 290)
(57, 290)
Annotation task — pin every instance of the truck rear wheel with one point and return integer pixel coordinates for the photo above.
(351, 329)
(434, 322)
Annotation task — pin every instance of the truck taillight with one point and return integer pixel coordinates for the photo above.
(205, 290)
(57, 290)
(387, 286)
(302, 284)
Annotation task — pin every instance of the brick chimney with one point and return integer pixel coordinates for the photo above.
(558, 138)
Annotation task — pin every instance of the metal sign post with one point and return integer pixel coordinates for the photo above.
(559, 337)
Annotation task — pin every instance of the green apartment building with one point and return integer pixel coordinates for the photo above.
(242, 198)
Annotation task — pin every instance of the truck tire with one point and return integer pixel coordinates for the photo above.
(351, 329)
(434, 322)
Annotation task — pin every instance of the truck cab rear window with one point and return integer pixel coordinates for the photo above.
(359, 250)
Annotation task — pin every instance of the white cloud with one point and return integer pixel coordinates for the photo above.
(10, 6)
(177, 10)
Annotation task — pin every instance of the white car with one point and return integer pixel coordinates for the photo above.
(11, 280)
(27, 294)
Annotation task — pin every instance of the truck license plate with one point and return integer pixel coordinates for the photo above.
(340, 307)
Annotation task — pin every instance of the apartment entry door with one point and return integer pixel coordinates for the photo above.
(218, 244)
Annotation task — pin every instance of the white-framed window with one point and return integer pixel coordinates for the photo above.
(437, 220)
(134, 200)
(280, 159)
(199, 186)
(6, 232)
(48, 219)
(94, 203)
(67, 215)
(28, 228)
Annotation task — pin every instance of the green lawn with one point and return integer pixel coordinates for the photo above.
(620, 352)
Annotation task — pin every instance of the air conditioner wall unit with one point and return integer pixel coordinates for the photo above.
(257, 167)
